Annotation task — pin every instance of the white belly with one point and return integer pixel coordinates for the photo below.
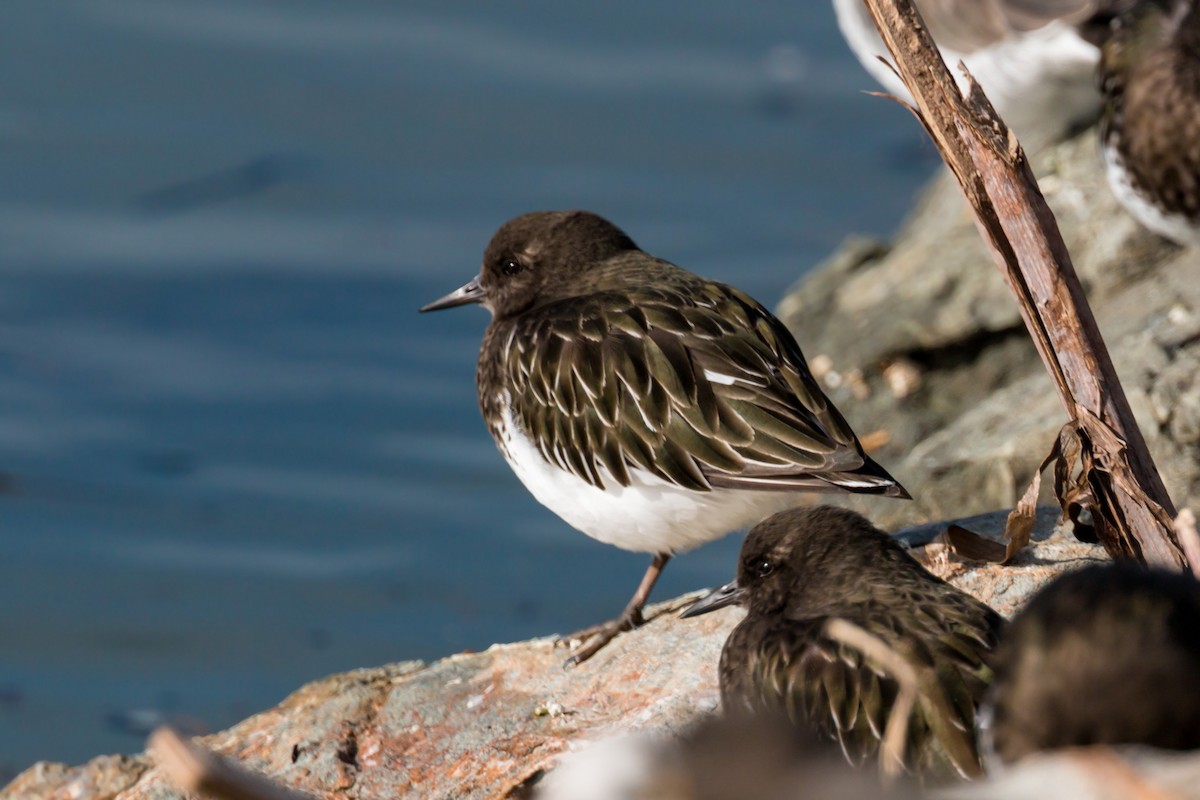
(648, 516)
(1041, 81)
(1175, 227)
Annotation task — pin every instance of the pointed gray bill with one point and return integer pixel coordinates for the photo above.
(473, 292)
(728, 595)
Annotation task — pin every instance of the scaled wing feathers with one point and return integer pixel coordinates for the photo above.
(701, 388)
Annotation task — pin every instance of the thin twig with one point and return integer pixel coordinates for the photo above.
(914, 683)
(895, 734)
(198, 770)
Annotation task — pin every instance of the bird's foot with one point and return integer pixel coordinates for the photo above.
(597, 636)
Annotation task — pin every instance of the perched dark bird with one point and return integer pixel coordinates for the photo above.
(1035, 59)
(802, 568)
(1150, 129)
(1106, 655)
(648, 407)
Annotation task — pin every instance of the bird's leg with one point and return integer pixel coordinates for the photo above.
(630, 618)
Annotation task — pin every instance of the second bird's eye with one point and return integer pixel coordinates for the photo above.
(764, 568)
(511, 267)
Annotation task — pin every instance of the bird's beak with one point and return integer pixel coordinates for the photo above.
(473, 292)
(728, 595)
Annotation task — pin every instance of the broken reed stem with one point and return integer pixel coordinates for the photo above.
(197, 770)
(912, 681)
(895, 734)
(1023, 236)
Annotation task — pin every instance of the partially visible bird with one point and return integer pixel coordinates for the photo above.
(1035, 59)
(1106, 655)
(1150, 128)
(802, 568)
(649, 408)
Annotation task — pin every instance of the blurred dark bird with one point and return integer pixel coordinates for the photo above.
(649, 408)
(1106, 655)
(1150, 129)
(802, 568)
(1035, 59)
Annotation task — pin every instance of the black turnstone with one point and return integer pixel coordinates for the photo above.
(802, 568)
(1150, 128)
(1035, 59)
(649, 408)
(1106, 655)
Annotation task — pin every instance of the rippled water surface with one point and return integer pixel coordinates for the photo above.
(233, 456)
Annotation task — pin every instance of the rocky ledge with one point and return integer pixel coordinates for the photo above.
(490, 724)
(918, 340)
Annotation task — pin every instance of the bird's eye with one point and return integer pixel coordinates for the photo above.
(511, 267)
(764, 568)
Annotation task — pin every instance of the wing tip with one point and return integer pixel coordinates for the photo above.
(870, 478)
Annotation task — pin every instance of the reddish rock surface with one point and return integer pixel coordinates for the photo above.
(483, 725)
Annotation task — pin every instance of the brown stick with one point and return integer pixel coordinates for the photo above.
(197, 770)
(913, 682)
(1024, 238)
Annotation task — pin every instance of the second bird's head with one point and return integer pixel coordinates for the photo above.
(536, 258)
(813, 559)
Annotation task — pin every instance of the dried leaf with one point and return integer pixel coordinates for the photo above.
(1018, 528)
(974, 546)
(1107, 471)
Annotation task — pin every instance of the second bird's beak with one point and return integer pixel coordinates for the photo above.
(473, 292)
(728, 595)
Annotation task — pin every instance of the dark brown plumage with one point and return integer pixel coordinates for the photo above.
(800, 569)
(1106, 655)
(604, 353)
(1150, 129)
(648, 407)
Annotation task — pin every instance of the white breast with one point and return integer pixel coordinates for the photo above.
(1042, 81)
(1175, 227)
(648, 516)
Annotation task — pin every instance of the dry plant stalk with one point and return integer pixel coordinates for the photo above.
(197, 770)
(1129, 505)
(912, 682)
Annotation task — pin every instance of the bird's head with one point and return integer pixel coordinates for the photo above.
(538, 258)
(811, 560)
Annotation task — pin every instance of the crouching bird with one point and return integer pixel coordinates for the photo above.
(806, 573)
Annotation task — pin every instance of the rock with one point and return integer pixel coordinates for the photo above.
(919, 340)
(483, 725)
(101, 778)
(975, 411)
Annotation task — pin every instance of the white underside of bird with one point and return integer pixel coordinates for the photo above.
(650, 515)
(1176, 227)
(1042, 82)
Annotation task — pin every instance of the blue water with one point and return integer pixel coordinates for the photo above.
(234, 458)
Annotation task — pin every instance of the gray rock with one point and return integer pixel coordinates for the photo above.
(974, 411)
(482, 725)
